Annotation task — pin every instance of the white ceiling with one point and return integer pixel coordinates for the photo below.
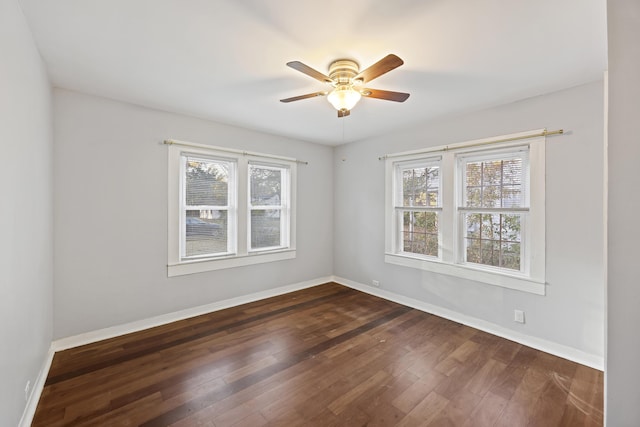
(225, 60)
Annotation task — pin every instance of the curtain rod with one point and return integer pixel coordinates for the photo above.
(231, 150)
(463, 145)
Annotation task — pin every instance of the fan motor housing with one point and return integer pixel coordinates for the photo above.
(343, 71)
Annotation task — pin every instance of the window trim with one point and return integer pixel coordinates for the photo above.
(533, 280)
(176, 266)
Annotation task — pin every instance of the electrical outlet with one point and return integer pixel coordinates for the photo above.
(27, 388)
(518, 316)
(375, 283)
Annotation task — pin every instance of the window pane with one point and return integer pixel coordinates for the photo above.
(493, 239)
(206, 232)
(265, 228)
(206, 182)
(420, 233)
(511, 255)
(473, 250)
(420, 186)
(473, 226)
(490, 253)
(266, 186)
(494, 183)
(512, 196)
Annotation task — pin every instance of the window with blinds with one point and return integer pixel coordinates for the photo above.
(207, 207)
(228, 209)
(494, 208)
(268, 206)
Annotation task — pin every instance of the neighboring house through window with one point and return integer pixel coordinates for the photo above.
(228, 209)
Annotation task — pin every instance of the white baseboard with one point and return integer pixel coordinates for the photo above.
(36, 391)
(114, 331)
(566, 352)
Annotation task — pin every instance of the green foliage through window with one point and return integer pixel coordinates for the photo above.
(420, 191)
(420, 233)
(206, 183)
(420, 186)
(493, 239)
(494, 184)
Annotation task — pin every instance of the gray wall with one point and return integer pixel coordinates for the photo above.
(572, 312)
(26, 230)
(623, 287)
(111, 214)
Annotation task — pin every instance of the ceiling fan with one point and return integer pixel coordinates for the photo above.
(347, 82)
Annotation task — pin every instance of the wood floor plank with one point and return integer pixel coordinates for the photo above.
(254, 420)
(131, 414)
(458, 410)
(460, 378)
(521, 406)
(509, 379)
(550, 405)
(487, 411)
(482, 381)
(323, 356)
(428, 408)
(413, 395)
(382, 414)
(586, 395)
(340, 404)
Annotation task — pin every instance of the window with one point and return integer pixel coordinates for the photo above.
(269, 213)
(473, 210)
(418, 205)
(207, 206)
(494, 208)
(228, 209)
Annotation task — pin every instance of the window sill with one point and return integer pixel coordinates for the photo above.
(524, 284)
(199, 266)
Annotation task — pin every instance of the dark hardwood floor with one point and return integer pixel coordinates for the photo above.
(324, 356)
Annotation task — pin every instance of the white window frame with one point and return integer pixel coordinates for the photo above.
(523, 211)
(284, 207)
(531, 278)
(399, 207)
(239, 214)
(230, 208)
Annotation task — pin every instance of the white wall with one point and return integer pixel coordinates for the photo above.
(111, 214)
(572, 312)
(623, 286)
(26, 230)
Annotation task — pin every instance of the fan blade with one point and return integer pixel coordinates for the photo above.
(343, 113)
(385, 94)
(298, 98)
(385, 65)
(299, 66)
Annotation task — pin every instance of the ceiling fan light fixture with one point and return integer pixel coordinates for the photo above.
(347, 82)
(344, 97)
